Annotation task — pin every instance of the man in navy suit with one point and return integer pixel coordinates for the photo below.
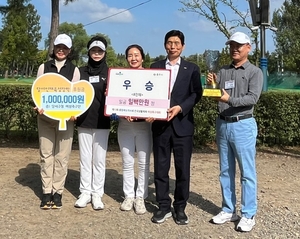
(175, 134)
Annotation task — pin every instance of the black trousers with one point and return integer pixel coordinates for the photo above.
(163, 145)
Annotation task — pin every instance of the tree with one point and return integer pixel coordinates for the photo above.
(121, 61)
(54, 22)
(158, 58)
(4, 10)
(287, 39)
(147, 60)
(210, 9)
(33, 36)
(1, 40)
(21, 34)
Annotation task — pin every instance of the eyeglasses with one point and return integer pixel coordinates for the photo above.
(61, 47)
(237, 45)
(176, 43)
(97, 51)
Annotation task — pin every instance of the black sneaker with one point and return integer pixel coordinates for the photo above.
(56, 204)
(180, 217)
(46, 201)
(51, 200)
(161, 216)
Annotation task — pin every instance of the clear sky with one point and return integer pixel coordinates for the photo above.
(145, 24)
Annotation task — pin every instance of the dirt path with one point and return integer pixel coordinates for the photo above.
(20, 187)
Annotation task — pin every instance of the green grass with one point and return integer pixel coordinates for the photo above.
(20, 81)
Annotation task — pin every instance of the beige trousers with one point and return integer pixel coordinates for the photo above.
(55, 149)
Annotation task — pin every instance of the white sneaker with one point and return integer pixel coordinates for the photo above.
(223, 217)
(97, 202)
(127, 204)
(139, 206)
(246, 224)
(83, 200)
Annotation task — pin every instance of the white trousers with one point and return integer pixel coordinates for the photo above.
(135, 136)
(92, 150)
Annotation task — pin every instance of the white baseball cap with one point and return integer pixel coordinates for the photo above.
(99, 44)
(63, 39)
(239, 37)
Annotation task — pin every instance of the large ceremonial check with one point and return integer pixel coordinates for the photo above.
(139, 93)
(60, 99)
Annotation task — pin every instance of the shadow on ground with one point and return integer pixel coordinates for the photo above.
(30, 177)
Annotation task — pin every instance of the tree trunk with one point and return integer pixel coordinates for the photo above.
(26, 69)
(54, 25)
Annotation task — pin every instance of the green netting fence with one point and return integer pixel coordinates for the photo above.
(284, 81)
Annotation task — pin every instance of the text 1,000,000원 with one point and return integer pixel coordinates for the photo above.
(62, 98)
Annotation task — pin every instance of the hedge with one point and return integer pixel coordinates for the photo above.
(277, 115)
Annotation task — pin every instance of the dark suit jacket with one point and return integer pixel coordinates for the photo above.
(186, 92)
